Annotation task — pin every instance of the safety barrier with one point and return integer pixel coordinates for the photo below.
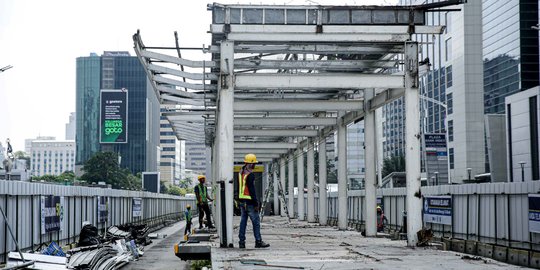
(22, 204)
(489, 213)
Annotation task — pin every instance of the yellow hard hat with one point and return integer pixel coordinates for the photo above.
(250, 158)
(188, 206)
(201, 177)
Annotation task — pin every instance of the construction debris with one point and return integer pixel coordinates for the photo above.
(424, 237)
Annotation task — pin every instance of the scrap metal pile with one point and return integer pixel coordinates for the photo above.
(112, 250)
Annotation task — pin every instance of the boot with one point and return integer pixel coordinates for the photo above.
(261, 244)
(242, 245)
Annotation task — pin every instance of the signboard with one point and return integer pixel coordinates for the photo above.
(150, 181)
(52, 214)
(436, 158)
(113, 116)
(534, 213)
(103, 209)
(438, 209)
(136, 205)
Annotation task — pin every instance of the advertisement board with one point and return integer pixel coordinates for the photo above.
(150, 181)
(438, 209)
(534, 213)
(52, 214)
(436, 158)
(103, 209)
(113, 121)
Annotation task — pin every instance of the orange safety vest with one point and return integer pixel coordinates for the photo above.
(243, 191)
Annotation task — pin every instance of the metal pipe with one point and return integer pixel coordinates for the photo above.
(275, 184)
(342, 171)
(310, 183)
(371, 167)
(300, 185)
(282, 180)
(323, 195)
(412, 143)
(291, 185)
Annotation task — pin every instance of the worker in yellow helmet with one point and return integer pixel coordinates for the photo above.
(187, 216)
(248, 203)
(202, 202)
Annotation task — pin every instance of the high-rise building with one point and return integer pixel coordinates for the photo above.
(172, 155)
(452, 91)
(510, 48)
(71, 127)
(52, 157)
(28, 142)
(117, 70)
(195, 156)
(356, 166)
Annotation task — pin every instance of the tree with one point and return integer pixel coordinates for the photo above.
(393, 164)
(163, 189)
(186, 182)
(23, 155)
(103, 166)
(174, 190)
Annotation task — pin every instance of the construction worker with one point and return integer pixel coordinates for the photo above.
(187, 215)
(381, 219)
(202, 202)
(248, 203)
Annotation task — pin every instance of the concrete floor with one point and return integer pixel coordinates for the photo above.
(300, 245)
(160, 254)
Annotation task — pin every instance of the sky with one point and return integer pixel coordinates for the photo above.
(42, 39)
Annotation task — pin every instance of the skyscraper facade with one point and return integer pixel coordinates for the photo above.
(71, 127)
(172, 154)
(117, 70)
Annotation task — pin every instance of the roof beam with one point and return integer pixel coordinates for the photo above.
(315, 48)
(177, 60)
(261, 151)
(318, 81)
(264, 145)
(276, 132)
(315, 64)
(297, 105)
(284, 121)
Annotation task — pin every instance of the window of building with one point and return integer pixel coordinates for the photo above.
(449, 76)
(451, 157)
(451, 130)
(448, 49)
(449, 103)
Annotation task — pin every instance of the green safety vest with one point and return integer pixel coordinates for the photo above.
(202, 193)
(188, 215)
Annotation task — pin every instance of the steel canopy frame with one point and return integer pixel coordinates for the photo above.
(274, 88)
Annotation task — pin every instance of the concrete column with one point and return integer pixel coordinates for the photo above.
(217, 203)
(342, 172)
(282, 180)
(310, 182)
(412, 143)
(275, 180)
(300, 174)
(224, 132)
(323, 196)
(371, 182)
(290, 205)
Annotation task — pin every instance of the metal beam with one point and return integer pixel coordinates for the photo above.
(260, 160)
(264, 145)
(177, 60)
(282, 121)
(236, 155)
(297, 105)
(317, 49)
(352, 31)
(180, 100)
(353, 65)
(260, 151)
(276, 132)
(318, 81)
(161, 79)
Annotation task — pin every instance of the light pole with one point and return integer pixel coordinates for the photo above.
(5, 68)
(469, 172)
(522, 164)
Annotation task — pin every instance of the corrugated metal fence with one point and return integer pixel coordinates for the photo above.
(494, 213)
(21, 202)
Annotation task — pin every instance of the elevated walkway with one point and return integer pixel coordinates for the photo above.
(302, 245)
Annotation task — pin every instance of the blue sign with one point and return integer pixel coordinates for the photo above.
(534, 213)
(103, 209)
(52, 214)
(438, 209)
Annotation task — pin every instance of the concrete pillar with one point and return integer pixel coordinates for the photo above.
(310, 182)
(217, 204)
(282, 180)
(342, 172)
(412, 143)
(224, 132)
(275, 181)
(371, 182)
(323, 196)
(300, 186)
(290, 205)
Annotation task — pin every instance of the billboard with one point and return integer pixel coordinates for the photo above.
(52, 214)
(436, 158)
(438, 209)
(150, 181)
(113, 121)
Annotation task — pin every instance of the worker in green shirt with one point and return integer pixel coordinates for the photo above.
(187, 216)
(202, 202)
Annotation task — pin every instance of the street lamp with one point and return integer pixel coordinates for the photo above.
(5, 68)
(522, 164)
(469, 172)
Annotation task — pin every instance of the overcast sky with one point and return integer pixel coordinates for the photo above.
(42, 39)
